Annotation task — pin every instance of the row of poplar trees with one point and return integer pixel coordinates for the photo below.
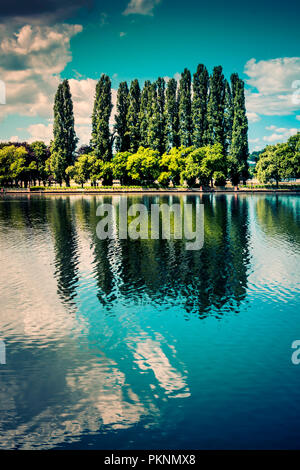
(198, 111)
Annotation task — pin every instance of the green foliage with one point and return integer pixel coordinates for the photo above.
(164, 179)
(173, 162)
(101, 139)
(204, 164)
(58, 166)
(213, 165)
(154, 135)
(171, 115)
(185, 108)
(80, 172)
(133, 120)
(199, 106)
(120, 167)
(145, 113)
(239, 153)
(105, 172)
(228, 117)
(121, 127)
(279, 161)
(160, 85)
(143, 166)
(216, 108)
(89, 167)
(15, 165)
(41, 154)
(64, 141)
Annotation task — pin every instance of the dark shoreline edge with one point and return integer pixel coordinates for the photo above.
(157, 191)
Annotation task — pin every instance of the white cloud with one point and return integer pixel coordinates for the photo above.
(273, 76)
(83, 93)
(40, 132)
(253, 141)
(298, 118)
(176, 76)
(253, 117)
(122, 34)
(14, 138)
(141, 7)
(271, 87)
(31, 61)
(279, 134)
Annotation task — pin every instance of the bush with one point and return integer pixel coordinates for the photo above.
(37, 188)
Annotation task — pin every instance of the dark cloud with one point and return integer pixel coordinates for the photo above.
(35, 9)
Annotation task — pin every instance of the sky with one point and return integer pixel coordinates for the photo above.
(42, 43)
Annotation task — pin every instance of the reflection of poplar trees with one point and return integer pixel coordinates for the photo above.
(101, 266)
(65, 245)
(24, 212)
(165, 271)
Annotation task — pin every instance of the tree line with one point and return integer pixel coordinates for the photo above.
(170, 132)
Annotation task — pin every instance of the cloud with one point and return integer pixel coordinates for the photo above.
(298, 118)
(14, 138)
(36, 12)
(271, 87)
(83, 93)
(253, 117)
(279, 133)
(31, 62)
(40, 132)
(253, 141)
(122, 34)
(141, 7)
(176, 76)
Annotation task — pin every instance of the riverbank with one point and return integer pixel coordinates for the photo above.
(119, 191)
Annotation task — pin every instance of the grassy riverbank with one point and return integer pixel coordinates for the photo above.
(139, 189)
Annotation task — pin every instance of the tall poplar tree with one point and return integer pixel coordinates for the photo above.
(199, 106)
(101, 138)
(144, 113)
(64, 136)
(161, 84)
(121, 127)
(171, 115)
(228, 116)
(216, 107)
(185, 108)
(239, 151)
(154, 125)
(133, 119)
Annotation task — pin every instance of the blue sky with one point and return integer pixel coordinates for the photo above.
(145, 39)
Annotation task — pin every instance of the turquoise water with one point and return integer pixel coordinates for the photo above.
(123, 344)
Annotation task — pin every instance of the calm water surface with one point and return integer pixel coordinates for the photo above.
(122, 344)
